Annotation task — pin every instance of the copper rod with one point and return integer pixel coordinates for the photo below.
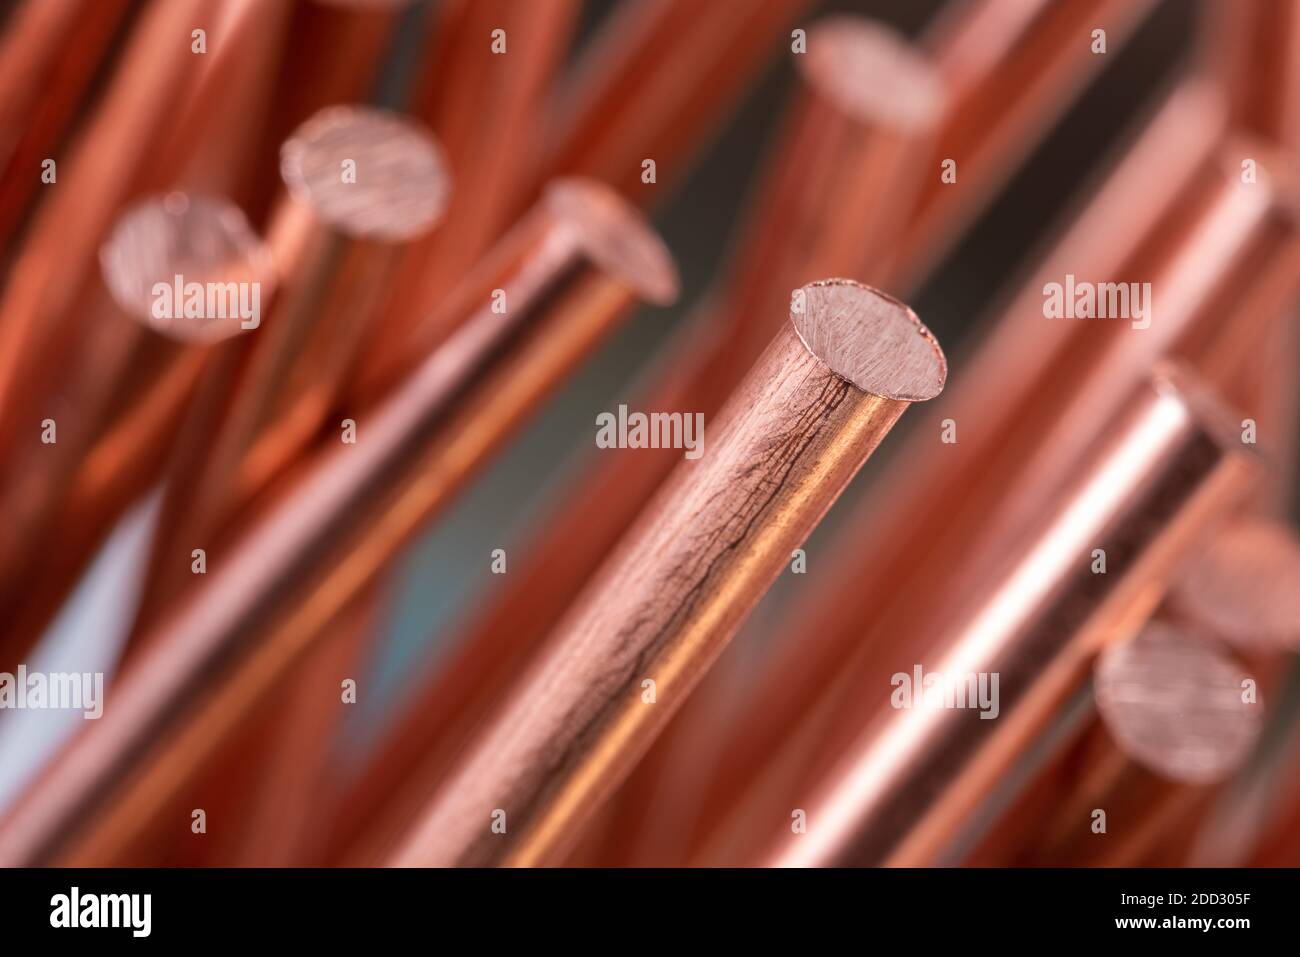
(650, 84)
(1170, 465)
(492, 143)
(1252, 50)
(335, 58)
(104, 169)
(282, 823)
(895, 523)
(1235, 610)
(864, 116)
(814, 407)
(241, 43)
(1013, 70)
(336, 236)
(341, 520)
(1243, 589)
(205, 240)
(1175, 723)
(49, 52)
(862, 110)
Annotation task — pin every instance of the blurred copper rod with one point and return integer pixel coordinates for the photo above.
(281, 825)
(1252, 50)
(1170, 466)
(507, 53)
(1175, 721)
(243, 38)
(896, 523)
(817, 403)
(655, 79)
(106, 166)
(336, 58)
(49, 53)
(583, 259)
(336, 241)
(1239, 589)
(834, 223)
(207, 242)
(1012, 70)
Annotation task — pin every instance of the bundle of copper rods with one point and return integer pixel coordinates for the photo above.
(471, 433)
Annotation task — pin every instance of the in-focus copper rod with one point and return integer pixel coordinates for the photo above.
(817, 403)
(341, 521)
(864, 106)
(896, 525)
(1012, 70)
(1170, 465)
(652, 82)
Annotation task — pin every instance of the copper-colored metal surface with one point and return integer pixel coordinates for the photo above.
(896, 525)
(284, 816)
(201, 148)
(1174, 702)
(624, 102)
(493, 142)
(818, 212)
(56, 261)
(1172, 463)
(1011, 69)
(202, 239)
(335, 57)
(1244, 587)
(1174, 721)
(1252, 49)
(242, 510)
(816, 404)
(337, 240)
(48, 55)
(340, 521)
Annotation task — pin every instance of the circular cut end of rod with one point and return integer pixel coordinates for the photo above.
(188, 266)
(872, 73)
(1245, 587)
(869, 338)
(368, 173)
(1174, 702)
(616, 237)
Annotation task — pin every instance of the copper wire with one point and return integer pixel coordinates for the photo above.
(819, 213)
(341, 519)
(814, 407)
(625, 101)
(336, 238)
(896, 524)
(1171, 464)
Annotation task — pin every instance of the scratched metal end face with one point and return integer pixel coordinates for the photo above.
(368, 173)
(1175, 702)
(869, 338)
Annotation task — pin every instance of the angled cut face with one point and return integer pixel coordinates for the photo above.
(870, 339)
